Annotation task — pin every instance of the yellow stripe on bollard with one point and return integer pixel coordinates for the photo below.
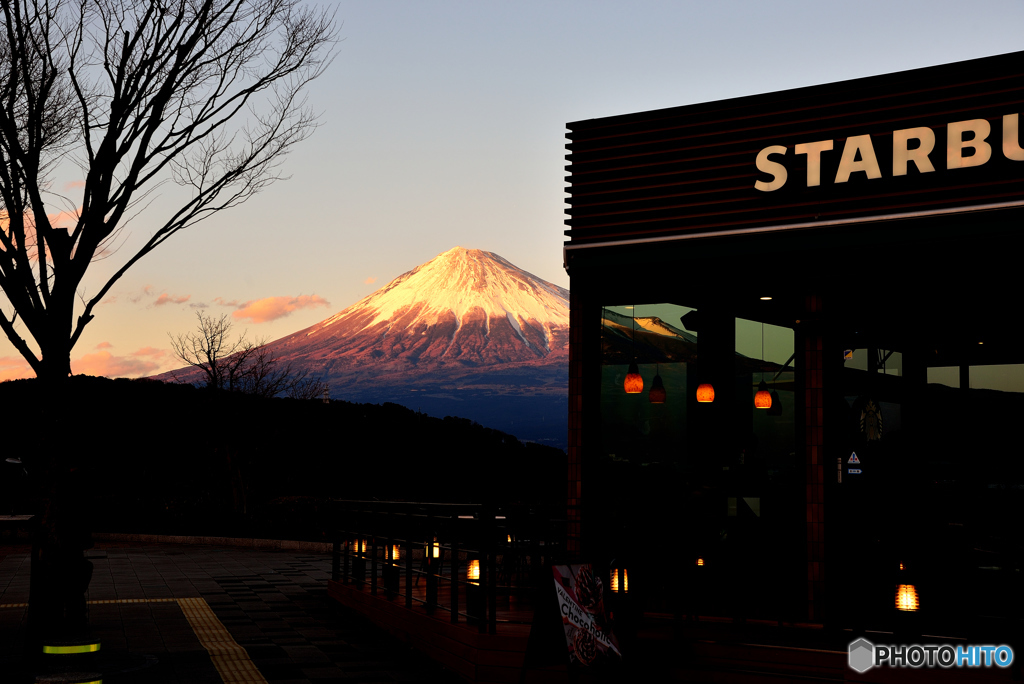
(76, 648)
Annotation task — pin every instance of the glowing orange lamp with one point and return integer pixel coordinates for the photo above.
(620, 581)
(705, 393)
(763, 398)
(634, 383)
(906, 598)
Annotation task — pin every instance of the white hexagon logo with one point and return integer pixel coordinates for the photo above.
(862, 655)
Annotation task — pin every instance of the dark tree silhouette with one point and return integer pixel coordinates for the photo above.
(204, 93)
(221, 360)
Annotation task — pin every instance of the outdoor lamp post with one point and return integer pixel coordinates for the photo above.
(391, 571)
(474, 592)
(431, 558)
(907, 603)
(619, 581)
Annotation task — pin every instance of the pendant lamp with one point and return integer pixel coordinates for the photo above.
(634, 383)
(705, 393)
(763, 398)
(657, 394)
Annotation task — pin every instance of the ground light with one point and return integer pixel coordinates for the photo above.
(620, 581)
(906, 598)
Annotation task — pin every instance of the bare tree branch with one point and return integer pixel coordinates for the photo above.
(239, 365)
(205, 93)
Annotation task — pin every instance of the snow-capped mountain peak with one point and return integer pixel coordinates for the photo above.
(465, 306)
(462, 281)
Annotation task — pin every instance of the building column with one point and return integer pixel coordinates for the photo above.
(814, 460)
(575, 481)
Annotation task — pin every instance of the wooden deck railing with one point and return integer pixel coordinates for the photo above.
(452, 557)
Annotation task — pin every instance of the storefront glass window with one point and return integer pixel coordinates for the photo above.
(944, 375)
(715, 482)
(633, 427)
(1002, 377)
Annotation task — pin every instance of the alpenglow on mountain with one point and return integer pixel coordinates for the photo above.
(464, 309)
(467, 334)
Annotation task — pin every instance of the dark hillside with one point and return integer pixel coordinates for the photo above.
(165, 458)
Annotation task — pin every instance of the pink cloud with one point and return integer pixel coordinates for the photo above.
(150, 351)
(147, 291)
(104, 345)
(220, 300)
(65, 219)
(73, 185)
(105, 363)
(14, 368)
(370, 281)
(171, 299)
(272, 308)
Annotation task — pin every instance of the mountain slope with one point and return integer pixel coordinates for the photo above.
(464, 308)
(466, 334)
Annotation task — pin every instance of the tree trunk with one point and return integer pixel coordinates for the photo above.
(60, 572)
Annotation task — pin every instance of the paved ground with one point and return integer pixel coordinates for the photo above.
(273, 603)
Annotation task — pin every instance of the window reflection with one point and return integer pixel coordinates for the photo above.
(725, 472)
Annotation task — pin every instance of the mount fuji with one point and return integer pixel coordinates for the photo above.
(467, 334)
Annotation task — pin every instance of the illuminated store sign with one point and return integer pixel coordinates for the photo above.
(967, 145)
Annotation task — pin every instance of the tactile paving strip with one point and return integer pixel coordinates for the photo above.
(231, 660)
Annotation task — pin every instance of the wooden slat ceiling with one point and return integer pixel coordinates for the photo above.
(692, 169)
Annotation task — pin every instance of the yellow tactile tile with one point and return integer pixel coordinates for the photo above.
(231, 660)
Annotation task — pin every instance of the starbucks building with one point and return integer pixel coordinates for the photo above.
(796, 366)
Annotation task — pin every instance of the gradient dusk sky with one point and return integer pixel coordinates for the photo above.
(443, 124)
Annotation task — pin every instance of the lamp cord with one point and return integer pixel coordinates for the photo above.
(633, 336)
(762, 351)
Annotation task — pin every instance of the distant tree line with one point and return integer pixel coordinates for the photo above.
(181, 460)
